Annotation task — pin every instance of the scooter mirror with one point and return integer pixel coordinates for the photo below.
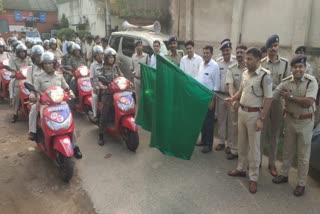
(103, 80)
(30, 86)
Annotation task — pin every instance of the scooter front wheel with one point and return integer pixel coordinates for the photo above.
(65, 167)
(132, 139)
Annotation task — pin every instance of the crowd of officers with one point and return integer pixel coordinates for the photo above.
(255, 92)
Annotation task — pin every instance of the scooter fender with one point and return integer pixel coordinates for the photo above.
(128, 122)
(63, 144)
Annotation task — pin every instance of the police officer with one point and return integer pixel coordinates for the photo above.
(174, 55)
(299, 92)
(233, 80)
(94, 74)
(76, 61)
(222, 109)
(301, 50)
(48, 79)
(255, 95)
(110, 71)
(29, 44)
(66, 59)
(34, 72)
(279, 69)
(21, 60)
(46, 45)
(138, 57)
(53, 48)
(89, 46)
(3, 55)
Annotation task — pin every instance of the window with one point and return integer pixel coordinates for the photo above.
(128, 46)
(114, 42)
(4, 28)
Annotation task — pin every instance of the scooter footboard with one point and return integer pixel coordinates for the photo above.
(63, 144)
(128, 122)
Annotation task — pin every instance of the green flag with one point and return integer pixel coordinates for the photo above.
(179, 108)
(146, 98)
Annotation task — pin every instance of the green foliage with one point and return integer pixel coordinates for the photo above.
(64, 21)
(67, 31)
(82, 33)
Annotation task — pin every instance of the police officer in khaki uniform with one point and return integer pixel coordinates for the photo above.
(56, 51)
(279, 69)
(301, 50)
(233, 80)
(255, 96)
(94, 74)
(138, 57)
(222, 109)
(21, 60)
(51, 78)
(173, 54)
(299, 92)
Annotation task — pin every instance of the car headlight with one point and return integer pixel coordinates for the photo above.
(84, 71)
(56, 95)
(55, 126)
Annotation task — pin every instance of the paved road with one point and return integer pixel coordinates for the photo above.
(149, 182)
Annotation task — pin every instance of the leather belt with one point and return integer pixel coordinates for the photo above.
(138, 78)
(301, 116)
(250, 109)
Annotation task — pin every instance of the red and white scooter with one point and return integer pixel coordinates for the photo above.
(55, 128)
(5, 78)
(121, 115)
(24, 93)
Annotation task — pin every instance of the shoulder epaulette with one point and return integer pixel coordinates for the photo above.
(219, 59)
(310, 77)
(265, 70)
(232, 65)
(287, 78)
(264, 59)
(284, 59)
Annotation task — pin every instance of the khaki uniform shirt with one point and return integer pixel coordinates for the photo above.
(175, 58)
(57, 53)
(44, 81)
(18, 63)
(75, 62)
(33, 72)
(223, 66)
(306, 87)
(234, 76)
(135, 60)
(278, 70)
(250, 87)
(94, 72)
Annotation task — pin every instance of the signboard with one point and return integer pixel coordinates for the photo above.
(42, 17)
(18, 16)
(21, 16)
(17, 28)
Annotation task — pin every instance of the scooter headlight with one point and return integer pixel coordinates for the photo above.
(122, 83)
(56, 95)
(55, 126)
(84, 71)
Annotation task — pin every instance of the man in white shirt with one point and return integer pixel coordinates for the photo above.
(156, 49)
(209, 76)
(191, 62)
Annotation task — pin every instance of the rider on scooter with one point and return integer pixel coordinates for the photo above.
(76, 60)
(34, 72)
(97, 52)
(51, 78)
(46, 45)
(3, 55)
(66, 59)
(21, 60)
(53, 48)
(110, 71)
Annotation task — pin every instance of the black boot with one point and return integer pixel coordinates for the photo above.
(101, 140)
(14, 118)
(77, 152)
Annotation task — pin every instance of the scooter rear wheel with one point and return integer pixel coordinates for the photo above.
(131, 139)
(65, 167)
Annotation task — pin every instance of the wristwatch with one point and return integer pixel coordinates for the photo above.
(291, 96)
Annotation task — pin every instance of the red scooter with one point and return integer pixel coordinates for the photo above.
(5, 78)
(122, 112)
(55, 128)
(24, 93)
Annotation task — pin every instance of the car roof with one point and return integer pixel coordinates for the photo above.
(147, 35)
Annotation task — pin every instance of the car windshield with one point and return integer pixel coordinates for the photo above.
(33, 34)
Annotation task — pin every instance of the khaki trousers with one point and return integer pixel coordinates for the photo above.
(271, 130)
(297, 139)
(248, 143)
(33, 119)
(233, 130)
(222, 113)
(137, 83)
(95, 100)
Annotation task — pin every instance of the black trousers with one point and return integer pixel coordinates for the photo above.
(106, 100)
(207, 128)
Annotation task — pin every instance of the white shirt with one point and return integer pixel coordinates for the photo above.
(191, 66)
(209, 75)
(153, 61)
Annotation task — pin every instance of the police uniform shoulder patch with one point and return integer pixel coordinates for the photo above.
(265, 70)
(310, 77)
(287, 78)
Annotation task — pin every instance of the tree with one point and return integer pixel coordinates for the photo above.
(64, 21)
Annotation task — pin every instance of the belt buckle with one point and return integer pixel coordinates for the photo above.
(245, 108)
(295, 116)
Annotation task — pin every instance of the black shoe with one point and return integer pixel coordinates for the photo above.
(101, 142)
(77, 152)
(231, 156)
(280, 179)
(32, 136)
(200, 144)
(206, 149)
(14, 118)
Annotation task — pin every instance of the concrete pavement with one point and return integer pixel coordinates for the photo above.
(121, 182)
